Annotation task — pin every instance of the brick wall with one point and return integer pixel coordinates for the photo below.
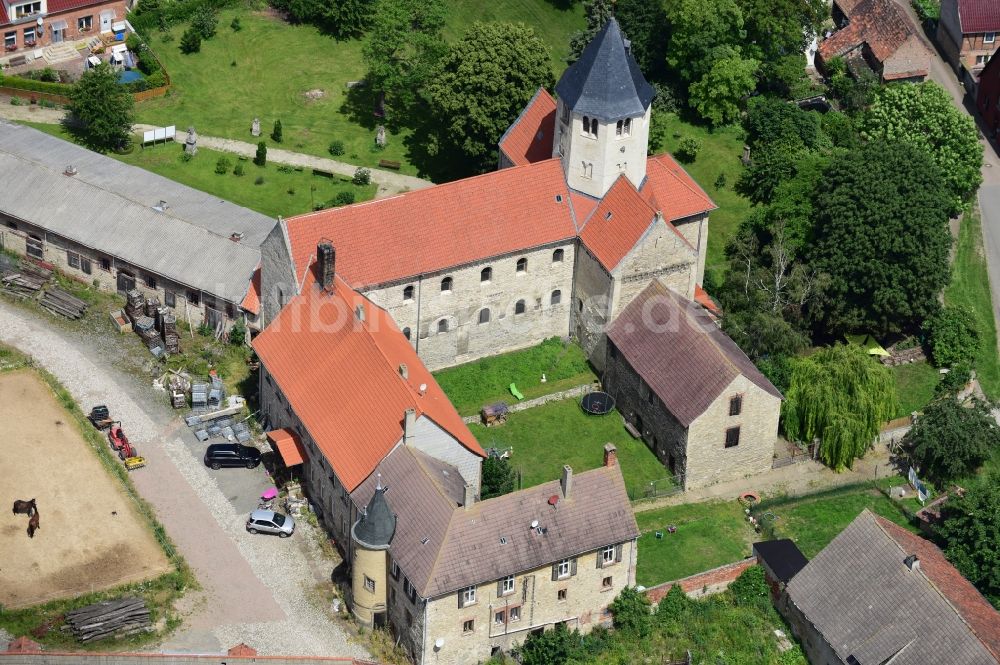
(711, 581)
(73, 30)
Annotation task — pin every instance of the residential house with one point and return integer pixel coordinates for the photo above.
(988, 95)
(120, 227)
(688, 391)
(28, 24)
(877, 35)
(967, 33)
(555, 243)
(879, 593)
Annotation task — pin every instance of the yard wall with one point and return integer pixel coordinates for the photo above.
(707, 583)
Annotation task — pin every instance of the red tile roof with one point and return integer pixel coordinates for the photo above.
(4, 20)
(885, 28)
(288, 445)
(440, 227)
(976, 611)
(331, 368)
(621, 218)
(583, 206)
(530, 138)
(979, 16)
(680, 352)
(702, 298)
(251, 301)
(672, 191)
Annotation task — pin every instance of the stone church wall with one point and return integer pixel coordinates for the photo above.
(591, 306)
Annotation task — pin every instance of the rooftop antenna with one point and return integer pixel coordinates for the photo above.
(378, 486)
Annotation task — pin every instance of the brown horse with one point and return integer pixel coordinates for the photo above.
(24, 507)
(33, 524)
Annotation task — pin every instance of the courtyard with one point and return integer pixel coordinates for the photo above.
(90, 536)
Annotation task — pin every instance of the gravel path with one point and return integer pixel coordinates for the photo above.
(256, 589)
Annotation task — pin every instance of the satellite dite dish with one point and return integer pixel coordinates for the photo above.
(438, 643)
(534, 524)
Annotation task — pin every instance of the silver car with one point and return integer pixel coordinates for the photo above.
(268, 521)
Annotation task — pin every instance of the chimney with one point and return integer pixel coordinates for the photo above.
(409, 425)
(610, 454)
(567, 481)
(912, 562)
(470, 496)
(326, 259)
(404, 371)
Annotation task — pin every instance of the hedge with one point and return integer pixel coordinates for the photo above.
(63, 89)
(170, 13)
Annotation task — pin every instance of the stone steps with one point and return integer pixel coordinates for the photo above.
(59, 53)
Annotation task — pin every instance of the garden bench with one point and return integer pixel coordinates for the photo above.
(389, 164)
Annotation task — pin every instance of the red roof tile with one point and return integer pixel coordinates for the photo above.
(440, 227)
(672, 191)
(620, 219)
(4, 20)
(288, 445)
(702, 298)
(332, 367)
(976, 611)
(55, 6)
(530, 138)
(979, 15)
(251, 301)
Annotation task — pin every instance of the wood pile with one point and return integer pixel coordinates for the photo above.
(62, 303)
(26, 280)
(126, 616)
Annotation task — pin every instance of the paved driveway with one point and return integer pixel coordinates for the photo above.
(256, 589)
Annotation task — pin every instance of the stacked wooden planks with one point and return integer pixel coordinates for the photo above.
(125, 616)
(62, 303)
(25, 280)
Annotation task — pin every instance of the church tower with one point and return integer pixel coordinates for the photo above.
(371, 534)
(602, 115)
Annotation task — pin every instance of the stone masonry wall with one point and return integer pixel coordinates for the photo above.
(695, 231)
(709, 461)
(591, 306)
(537, 596)
(278, 282)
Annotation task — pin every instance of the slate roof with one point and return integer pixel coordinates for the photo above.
(866, 602)
(377, 523)
(891, 37)
(463, 546)
(332, 367)
(782, 556)
(677, 349)
(530, 138)
(979, 16)
(108, 206)
(606, 81)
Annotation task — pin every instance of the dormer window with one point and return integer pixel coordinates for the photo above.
(590, 127)
(26, 9)
(623, 128)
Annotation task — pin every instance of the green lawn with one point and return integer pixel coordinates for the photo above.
(970, 287)
(265, 69)
(708, 535)
(547, 437)
(915, 383)
(720, 154)
(475, 384)
(284, 191)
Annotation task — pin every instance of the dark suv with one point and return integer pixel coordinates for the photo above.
(219, 455)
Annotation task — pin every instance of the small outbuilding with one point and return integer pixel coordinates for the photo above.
(781, 560)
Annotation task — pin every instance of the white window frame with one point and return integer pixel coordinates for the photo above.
(18, 11)
(85, 23)
(30, 31)
(608, 556)
(564, 569)
(10, 38)
(468, 596)
(369, 584)
(499, 617)
(514, 614)
(468, 626)
(508, 585)
(989, 37)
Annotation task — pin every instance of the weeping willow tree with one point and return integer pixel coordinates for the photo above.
(841, 396)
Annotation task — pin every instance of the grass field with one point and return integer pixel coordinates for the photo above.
(915, 383)
(970, 287)
(719, 155)
(283, 191)
(475, 384)
(547, 437)
(264, 70)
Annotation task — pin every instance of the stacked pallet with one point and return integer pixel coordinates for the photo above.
(146, 327)
(134, 304)
(152, 307)
(199, 394)
(168, 329)
(126, 616)
(62, 303)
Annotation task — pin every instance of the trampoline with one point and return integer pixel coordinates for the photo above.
(597, 403)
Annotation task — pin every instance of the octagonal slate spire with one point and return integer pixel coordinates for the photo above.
(377, 524)
(606, 81)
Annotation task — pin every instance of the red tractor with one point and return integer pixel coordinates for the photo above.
(120, 444)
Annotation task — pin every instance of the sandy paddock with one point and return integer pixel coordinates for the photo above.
(81, 546)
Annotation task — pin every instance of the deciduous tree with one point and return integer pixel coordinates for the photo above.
(630, 612)
(719, 94)
(841, 396)
(952, 336)
(480, 87)
(970, 529)
(101, 110)
(702, 32)
(950, 439)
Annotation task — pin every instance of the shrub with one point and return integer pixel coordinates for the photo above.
(133, 42)
(497, 477)
(48, 74)
(276, 132)
(687, 150)
(205, 330)
(750, 588)
(336, 148)
(955, 380)
(672, 606)
(259, 180)
(952, 335)
(630, 611)
(345, 198)
(285, 168)
(16, 101)
(205, 22)
(190, 41)
(362, 177)
(291, 191)
(222, 166)
(186, 157)
(238, 333)
(235, 25)
(239, 169)
(260, 159)
(720, 182)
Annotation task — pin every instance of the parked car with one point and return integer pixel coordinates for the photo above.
(219, 455)
(268, 521)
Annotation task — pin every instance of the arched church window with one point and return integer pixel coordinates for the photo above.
(446, 285)
(557, 256)
(484, 315)
(408, 292)
(443, 326)
(486, 274)
(522, 265)
(556, 297)
(519, 307)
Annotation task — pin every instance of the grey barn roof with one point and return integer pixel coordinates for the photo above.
(606, 81)
(867, 603)
(108, 206)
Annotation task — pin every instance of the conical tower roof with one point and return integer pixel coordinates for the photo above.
(377, 524)
(606, 82)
